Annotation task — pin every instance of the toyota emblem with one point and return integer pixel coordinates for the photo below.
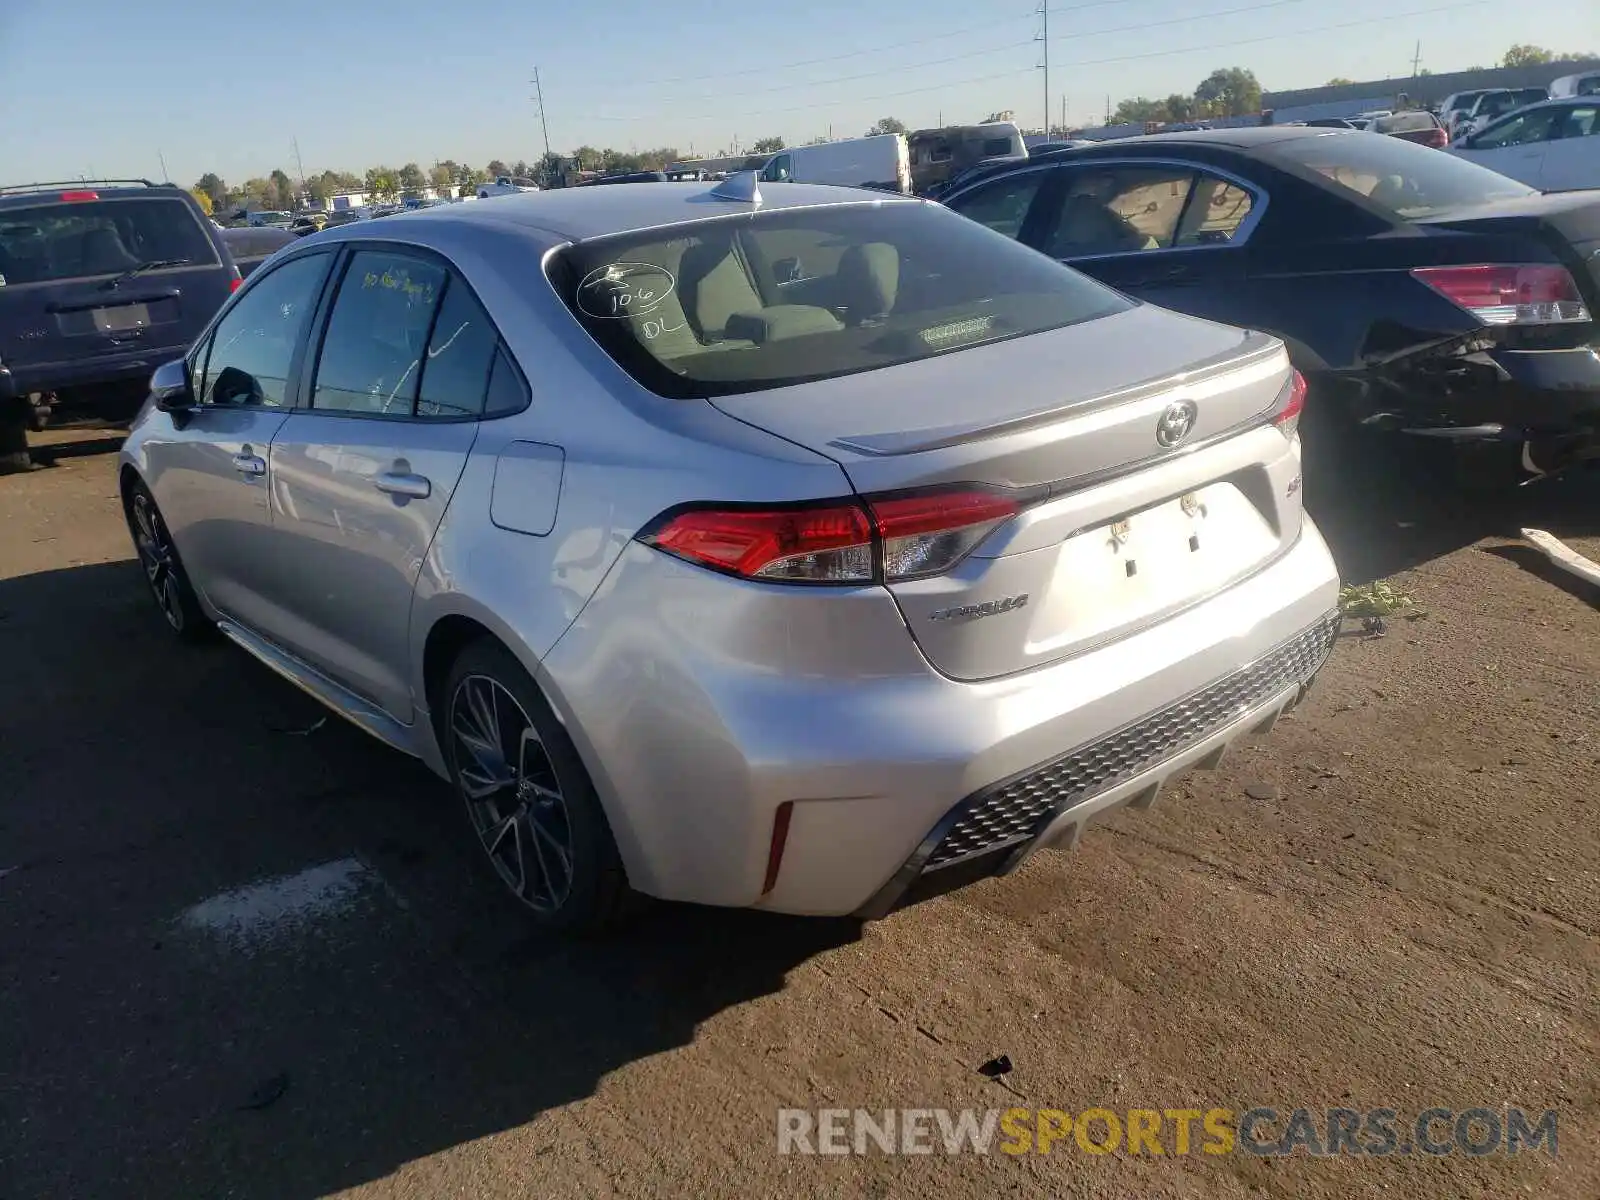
(1176, 422)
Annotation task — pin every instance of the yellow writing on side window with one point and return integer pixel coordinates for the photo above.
(404, 283)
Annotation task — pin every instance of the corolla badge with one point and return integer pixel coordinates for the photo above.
(988, 608)
(1176, 422)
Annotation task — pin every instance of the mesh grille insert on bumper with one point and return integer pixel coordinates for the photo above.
(1018, 810)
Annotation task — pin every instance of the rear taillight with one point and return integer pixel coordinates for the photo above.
(928, 534)
(882, 538)
(1535, 294)
(1437, 138)
(234, 284)
(1287, 417)
(74, 197)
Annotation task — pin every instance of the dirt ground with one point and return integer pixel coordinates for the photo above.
(1391, 901)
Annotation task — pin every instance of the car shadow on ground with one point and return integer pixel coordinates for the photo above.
(1387, 503)
(145, 777)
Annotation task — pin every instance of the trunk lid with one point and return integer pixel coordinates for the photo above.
(1119, 529)
(1566, 222)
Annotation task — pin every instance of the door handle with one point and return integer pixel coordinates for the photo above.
(397, 483)
(249, 464)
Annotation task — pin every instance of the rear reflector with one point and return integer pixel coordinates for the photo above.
(1287, 418)
(879, 539)
(234, 284)
(76, 196)
(1534, 294)
(780, 839)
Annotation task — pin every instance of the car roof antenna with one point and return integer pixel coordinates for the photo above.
(741, 186)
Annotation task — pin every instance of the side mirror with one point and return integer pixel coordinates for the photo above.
(170, 387)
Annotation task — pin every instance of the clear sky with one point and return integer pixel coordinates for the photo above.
(109, 86)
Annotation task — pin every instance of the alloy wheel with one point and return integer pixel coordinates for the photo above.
(512, 794)
(156, 557)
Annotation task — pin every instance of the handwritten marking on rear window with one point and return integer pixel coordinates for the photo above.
(624, 289)
(654, 329)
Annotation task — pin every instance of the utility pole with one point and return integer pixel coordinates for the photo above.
(1416, 60)
(165, 178)
(299, 165)
(538, 94)
(1044, 40)
(1063, 115)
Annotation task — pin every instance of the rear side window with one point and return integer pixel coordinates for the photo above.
(1402, 178)
(460, 353)
(698, 310)
(377, 334)
(82, 239)
(1118, 210)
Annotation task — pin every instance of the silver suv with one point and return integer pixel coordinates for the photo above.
(811, 550)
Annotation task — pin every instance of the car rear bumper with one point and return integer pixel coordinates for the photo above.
(877, 757)
(23, 379)
(1547, 398)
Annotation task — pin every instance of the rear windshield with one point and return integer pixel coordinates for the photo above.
(75, 240)
(1403, 178)
(744, 303)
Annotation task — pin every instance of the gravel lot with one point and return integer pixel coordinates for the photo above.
(1393, 901)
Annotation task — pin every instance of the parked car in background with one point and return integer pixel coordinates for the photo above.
(270, 218)
(1554, 146)
(1415, 126)
(814, 592)
(1493, 105)
(252, 247)
(1457, 104)
(1415, 290)
(308, 223)
(506, 185)
(1585, 84)
(880, 161)
(100, 281)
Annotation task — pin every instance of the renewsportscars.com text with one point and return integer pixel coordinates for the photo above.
(1261, 1131)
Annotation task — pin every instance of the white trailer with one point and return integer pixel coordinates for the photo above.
(880, 161)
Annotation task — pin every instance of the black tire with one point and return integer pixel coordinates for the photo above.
(39, 413)
(163, 568)
(519, 813)
(14, 455)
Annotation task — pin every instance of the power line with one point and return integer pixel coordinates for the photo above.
(1205, 16)
(938, 87)
(985, 27)
(1387, 19)
(818, 83)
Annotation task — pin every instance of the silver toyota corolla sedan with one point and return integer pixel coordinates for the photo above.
(810, 549)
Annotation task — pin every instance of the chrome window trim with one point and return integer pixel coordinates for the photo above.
(1259, 199)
